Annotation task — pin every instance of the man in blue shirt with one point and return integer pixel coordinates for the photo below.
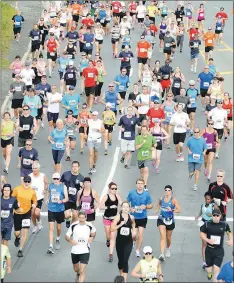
(71, 101)
(125, 56)
(140, 201)
(17, 20)
(226, 273)
(196, 150)
(122, 83)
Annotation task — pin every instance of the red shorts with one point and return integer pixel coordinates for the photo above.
(165, 84)
(107, 222)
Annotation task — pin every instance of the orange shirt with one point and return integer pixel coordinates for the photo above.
(83, 118)
(25, 198)
(209, 39)
(143, 49)
(76, 9)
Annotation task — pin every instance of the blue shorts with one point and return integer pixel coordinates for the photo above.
(193, 56)
(25, 172)
(52, 116)
(192, 166)
(6, 233)
(57, 155)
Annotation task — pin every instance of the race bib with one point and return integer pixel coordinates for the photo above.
(70, 76)
(167, 221)
(87, 44)
(206, 84)
(26, 127)
(181, 32)
(63, 67)
(81, 241)
(217, 239)
(179, 126)
(27, 161)
(192, 100)
(112, 105)
(189, 14)
(72, 191)
(165, 77)
(154, 119)
(219, 28)
(17, 23)
(72, 102)
(169, 114)
(121, 87)
(18, 88)
(26, 223)
(55, 197)
(102, 21)
(127, 134)
(196, 156)
(70, 132)
(209, 41)
(228, 111)
(177, 85)
(36, 37)
(59, 145)
(35, 188)
(179, 20)
(42, 31)
(195, 45)
(52, 54)
(201, 15)
(209, 145)
(218, 121)
(138, 209)
(5, 213)
(17, 71)
(31, 105)
(151, 275)
(83, 121)
(69, 56)
(167, 44)
(85, 205)
(145, 153)
(142, 50)
(124, 231)
(90, 75)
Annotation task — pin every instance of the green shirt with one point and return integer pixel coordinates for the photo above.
(145, 152)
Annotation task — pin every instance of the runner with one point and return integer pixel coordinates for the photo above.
(143, 104)
(115, 36)
(71, 101)
(70, 123)
(35, 36)
(18, 21)
(52, 47)
(226, 272)
(56, 197)
(109, 120)
(227, 105)
(54, 100)
(83, 118)
(209, 37)
(194, 52)
(143, 47)
(167, 206)
(201, 17)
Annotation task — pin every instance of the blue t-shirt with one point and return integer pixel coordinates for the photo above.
(136, 200)
(126, 62)
(63, 63)
(212, 69)
(192, 94)
(43, 89)
(72, 101)
(18, 20)
(58, 137)
(7, 207)
(56, 192)
(196, 146)
(33, 103)
(129, 125)
(27, 157)
(226, 273)
(123, 83)
(205, 80)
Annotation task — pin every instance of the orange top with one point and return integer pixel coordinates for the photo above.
(83, 118)
(143, 49)
(209, 39)
(76, 9)
(25, 198)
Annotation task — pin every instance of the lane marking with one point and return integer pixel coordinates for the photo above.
(222, 50)
(226, 73)
(150, 217)
(227, 46)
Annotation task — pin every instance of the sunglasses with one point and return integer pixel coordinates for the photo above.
(148, 253)
(191, 85)
(114, 189)
(28, 182)
(69, 113)
(111, 86)
(25, 109)
(83, 55)
(196, 132)
(220, 103)
(169, 96)
(210, 124)
(219, 176)
(34, 168)
(124, 71)
(216, 215)
(28, 144)
(55, 178)
(84, 107)
(167, 190)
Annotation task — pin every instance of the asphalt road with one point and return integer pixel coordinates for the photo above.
(185, 262)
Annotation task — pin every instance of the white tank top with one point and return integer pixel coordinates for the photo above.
(93, 127)
(38, 184)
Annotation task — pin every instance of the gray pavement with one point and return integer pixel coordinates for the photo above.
(185, 262)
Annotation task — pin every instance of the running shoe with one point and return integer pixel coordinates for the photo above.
(34, 230)
(153, 163)
(122, 160)
(162, 257)
(20, 253)
(81, 151)
(205, 172)
(5, 171)
(228, 132)
(94, 169)
(126, 167)
(108, 243)
(208, 178)
(110, 258)
(146, 189)
(181, 158)
(68, 158)
(167, 252)
(138, 254)
(17, 242)
(203, 265)
(42, 125)
(157, 170)
(216, 155)
(40, 226)
(57, 244)
(50, 251)
(225, 139)
(90, 171)
(209, 276)
(35, 138)
(178, 158)
(68, 224)
(105, 153)
(195, 187)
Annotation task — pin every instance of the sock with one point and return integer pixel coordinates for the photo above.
(51, 246)
(58, 238)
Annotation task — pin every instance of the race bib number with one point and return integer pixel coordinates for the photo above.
(127, 134)
(206, 84)
(112, 105)
(63, 67)
(81, 241)
(59, 145)
(85, 205)
(196, 156)
(165, 77)
(179, 126)
(177, 85)
(26, 127)
(169, 114)
(121, 87)
(210, 41)
(192, 100)
(42, 31)
(124, 231)
(138, 209)
(218, 121)
(70, 132)
(209, 145)
(17, 23)
(70, 76)
(167, 44)
(31, 105)
(17, 71)
(72, 191)
(69, 56)
(142, 50)
(18, 88)
(195, 45)
(52, 54)
(189, 14)
(72, 102)
(181, 32)
(36, 37)
(55, 197)
(26, 223)
(151, 275)
(27, 161)
(167, 221)
(219, 28)
(90, 75)
(145, 153)
(201, 15)
(216, 239)
(5, 213)
(102, 21)
(154, 119)
(83, 121)
(87, 44)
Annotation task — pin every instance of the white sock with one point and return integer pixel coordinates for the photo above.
(58, 238)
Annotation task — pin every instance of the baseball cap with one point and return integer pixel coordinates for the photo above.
(156, 102)
(87, 179)
(206, 67)
(108, 104)
(147, 249)
(191, 82)
(216, 211)
(56, 175)
(27, 179)
(209, 28)
(168, 187)
(6, 186)
(71, 87)
(95, 113)
(71, 63)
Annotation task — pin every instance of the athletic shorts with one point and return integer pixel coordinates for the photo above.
(52, 117)
(127, 145)
(22, 221)
(142, 60)
(179, 138)
(192, 166)
(25, 172)
(35, 47)
(16, 30)
(191, 110)
(161, 36)
(218, 31)
(21, 142)
(107, 222)
(70, 82)
(39, 114)
(167, 51)
(109, 128)
(90, 90)
(90, 217)
(144, 164)
(116, 14)
(5, 143)
(193, 56)
(114, 40)
(70, 205)
(57, 155)
(122, 94)
(56, 217)
(229, 118)
(6, 233)
(203, 92)
(40, 203)
(220, 133)
(88, 51)
(94, 144)
(214, 256)
(17, 103)
(210, 150)
(159, 146)
(81, 130)
(165, 84)
(141, 222)
(75, 18)
(208, 49)
(168, 227)
(140, 20)
(100, 41)
(80, 258)
(52, 57)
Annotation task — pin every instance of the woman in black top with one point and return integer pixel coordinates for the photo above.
(110, 203)
(124, 224)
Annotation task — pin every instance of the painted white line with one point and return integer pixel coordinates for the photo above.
(152, 217)
(217, 8)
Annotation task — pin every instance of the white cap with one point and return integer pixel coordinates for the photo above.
(95, 113)
(71, 63)
(56, 175)
(147, 249)
(108, 104)
(192, 82)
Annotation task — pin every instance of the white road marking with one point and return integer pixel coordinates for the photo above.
(151, 217)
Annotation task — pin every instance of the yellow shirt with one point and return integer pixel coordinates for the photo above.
(25, 198)
(5, 254)
(7, 130)
(108, 117)
(150, 269)
(152, 10)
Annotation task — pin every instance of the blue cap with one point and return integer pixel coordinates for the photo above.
(71, 87)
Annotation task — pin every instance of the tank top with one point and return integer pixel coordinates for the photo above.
(17, 67)
(51, 45)
(110, 213)
(87, 202)
(210, 139)
(38, 184)
(70, 50)
(207, 209)
(219, 26)
(216, 91)
(70, 126)
(150, 269)
(124, 233)
(228, 107)
(169, 110)
(158, 136)
(167, 216)
(100, 77)
(56, 194)
(63, 18)
(163, 28)
(201, 14)
(84, 119)
(176, 82)
(7, 131)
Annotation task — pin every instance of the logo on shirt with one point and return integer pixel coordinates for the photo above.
(222, 192)
(10, 205)
(131, 122)
(31, 155)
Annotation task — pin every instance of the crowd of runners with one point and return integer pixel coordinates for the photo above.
(153, 113)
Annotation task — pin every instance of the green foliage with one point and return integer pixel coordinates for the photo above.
(7, 12)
